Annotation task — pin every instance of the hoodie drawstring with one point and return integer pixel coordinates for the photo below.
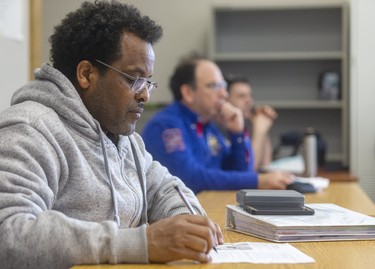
(106, 165)
(144, 218)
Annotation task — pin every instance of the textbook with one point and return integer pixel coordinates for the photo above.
(329, 223)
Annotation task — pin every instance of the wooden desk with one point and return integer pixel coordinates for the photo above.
(345, 194)
(341, 175)
(332, 255)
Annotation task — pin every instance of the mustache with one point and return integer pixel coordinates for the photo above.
(138, 108)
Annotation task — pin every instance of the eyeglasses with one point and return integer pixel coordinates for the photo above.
(137, 84)
(216, 86)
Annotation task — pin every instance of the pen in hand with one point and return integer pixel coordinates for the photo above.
(188, 205)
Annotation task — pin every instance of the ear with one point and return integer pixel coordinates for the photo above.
(187, 93)
(85, 74)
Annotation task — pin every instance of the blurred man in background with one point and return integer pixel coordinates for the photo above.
(258, 120)
(184, 138)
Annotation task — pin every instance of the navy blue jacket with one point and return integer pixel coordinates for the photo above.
(199, 154)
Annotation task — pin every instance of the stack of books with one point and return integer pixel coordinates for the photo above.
(329, 223)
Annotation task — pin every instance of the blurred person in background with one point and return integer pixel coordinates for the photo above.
(258, 121)
(183, 136)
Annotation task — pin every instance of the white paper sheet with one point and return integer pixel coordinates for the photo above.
(320, 183)
(253, 252)
(293, 164)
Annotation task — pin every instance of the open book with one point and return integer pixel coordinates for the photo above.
(329, 223)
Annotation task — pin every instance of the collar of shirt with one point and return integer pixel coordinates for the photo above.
(192, 118)
(199, 128)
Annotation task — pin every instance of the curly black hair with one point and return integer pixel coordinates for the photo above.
(184, 74)
(94, 31)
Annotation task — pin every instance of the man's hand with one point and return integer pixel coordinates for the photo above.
(267, 111)
(275, 180)
(230, 117)
(182, 237)
(263, 118)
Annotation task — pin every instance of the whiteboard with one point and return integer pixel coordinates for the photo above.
(14, 50)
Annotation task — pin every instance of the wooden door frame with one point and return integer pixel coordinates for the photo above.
(35, 30)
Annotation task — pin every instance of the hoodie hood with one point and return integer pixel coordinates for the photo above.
(52, 89)
(64, 99)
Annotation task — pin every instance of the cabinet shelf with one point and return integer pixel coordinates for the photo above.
(284, 48)
(282, 56)
(302, 104)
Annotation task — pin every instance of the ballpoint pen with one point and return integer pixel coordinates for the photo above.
(188, 205)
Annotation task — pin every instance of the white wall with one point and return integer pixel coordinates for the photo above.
(14, 55)
(362, 161)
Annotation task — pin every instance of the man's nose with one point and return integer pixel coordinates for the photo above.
(223, 92)
(144, 94)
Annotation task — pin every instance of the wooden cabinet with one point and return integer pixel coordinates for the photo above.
(283, 48)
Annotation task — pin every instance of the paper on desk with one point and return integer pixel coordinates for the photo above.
(253, 252)
(293, 164)
(319, 183)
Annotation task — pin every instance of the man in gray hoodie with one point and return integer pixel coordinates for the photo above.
(76, 183)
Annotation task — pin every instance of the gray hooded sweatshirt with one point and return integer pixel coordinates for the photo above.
(62, 181)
